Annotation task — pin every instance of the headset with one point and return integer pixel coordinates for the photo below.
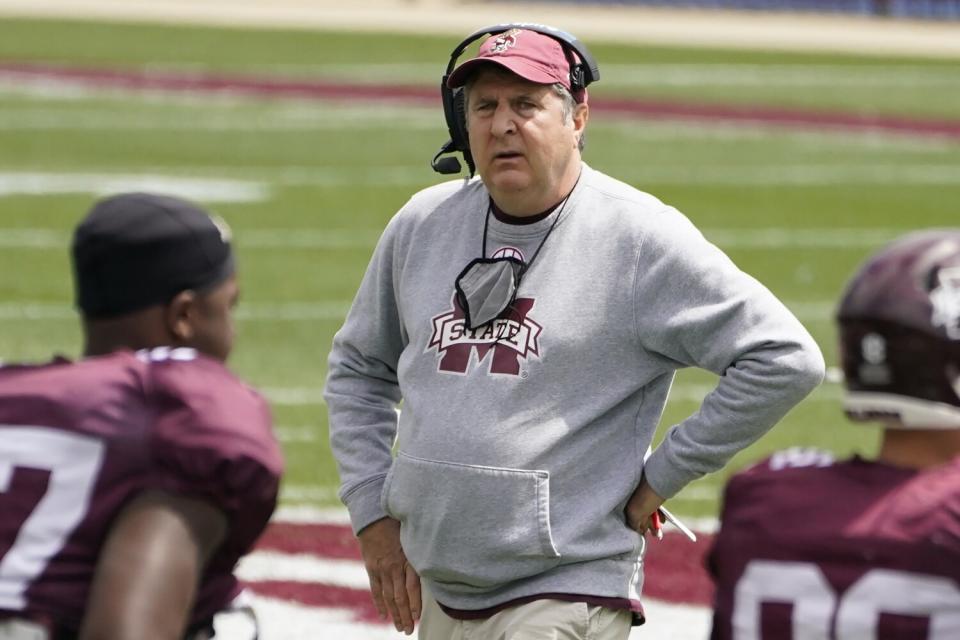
(582, 72)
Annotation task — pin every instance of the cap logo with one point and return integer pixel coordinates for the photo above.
(505, 41)
(945, 298)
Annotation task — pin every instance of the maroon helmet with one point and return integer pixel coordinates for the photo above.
(899, 322)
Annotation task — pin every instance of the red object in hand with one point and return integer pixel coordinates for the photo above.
(657, 524)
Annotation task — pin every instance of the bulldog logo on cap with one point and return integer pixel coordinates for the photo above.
(505, 41)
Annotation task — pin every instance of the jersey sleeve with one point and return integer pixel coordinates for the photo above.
(213, 440)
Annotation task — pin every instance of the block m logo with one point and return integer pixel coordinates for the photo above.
(511, 338)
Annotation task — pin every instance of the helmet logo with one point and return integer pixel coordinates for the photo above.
(874, 370)
(873, 348)
(945, 298)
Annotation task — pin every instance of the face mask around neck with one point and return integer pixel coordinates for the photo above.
(486, 287)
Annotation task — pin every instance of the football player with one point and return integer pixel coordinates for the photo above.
(133, 479)
(815, 548)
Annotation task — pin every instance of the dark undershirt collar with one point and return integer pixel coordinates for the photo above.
(506, 218)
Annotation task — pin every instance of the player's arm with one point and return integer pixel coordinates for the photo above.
(149, 568)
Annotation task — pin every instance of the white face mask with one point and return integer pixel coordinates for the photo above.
(486, 287)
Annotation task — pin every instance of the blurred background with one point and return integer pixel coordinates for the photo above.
(799, 135)
(927, 9)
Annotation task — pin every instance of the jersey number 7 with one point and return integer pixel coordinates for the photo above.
(73, 462)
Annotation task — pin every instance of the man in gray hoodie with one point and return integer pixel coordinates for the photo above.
(531, 321)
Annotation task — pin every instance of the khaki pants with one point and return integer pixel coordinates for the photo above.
(17, 629)
(537, 620)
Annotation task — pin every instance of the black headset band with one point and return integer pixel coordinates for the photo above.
(591, 72)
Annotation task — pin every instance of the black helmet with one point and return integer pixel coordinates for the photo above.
(899, 322)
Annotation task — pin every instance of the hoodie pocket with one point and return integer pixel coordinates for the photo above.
(471, 526)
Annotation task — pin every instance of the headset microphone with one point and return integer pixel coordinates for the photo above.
(446, 166)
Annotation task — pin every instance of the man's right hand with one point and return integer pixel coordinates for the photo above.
(393, 582)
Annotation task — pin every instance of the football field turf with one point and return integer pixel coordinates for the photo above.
(308, 184)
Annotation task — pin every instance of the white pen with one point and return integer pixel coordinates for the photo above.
(672, 519)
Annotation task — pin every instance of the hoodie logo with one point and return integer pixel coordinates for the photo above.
(509, 252)
(511, 338)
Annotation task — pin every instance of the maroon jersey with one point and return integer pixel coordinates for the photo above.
(79, 440)
(813, 549)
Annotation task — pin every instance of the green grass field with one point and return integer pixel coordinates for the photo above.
(308, 185)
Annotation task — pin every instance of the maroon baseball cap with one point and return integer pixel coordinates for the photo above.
(529, 54)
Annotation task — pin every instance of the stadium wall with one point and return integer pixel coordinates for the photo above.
(914, 9)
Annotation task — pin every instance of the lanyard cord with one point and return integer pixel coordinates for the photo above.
(527, 265)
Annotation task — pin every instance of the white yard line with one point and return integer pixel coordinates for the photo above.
(819, 139)
(775, 238)
(303, 514)
(207, 189)
(303, 567)
(673, 621)
(294, 396)
(55, 239)
(308, 493)
(262, 312)
(216, 115)
(225, 189)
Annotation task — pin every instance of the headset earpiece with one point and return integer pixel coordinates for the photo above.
(460, 117)
(577, 83)
(460, 126)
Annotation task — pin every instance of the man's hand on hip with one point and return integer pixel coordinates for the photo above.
(640, 507)
(393, 582)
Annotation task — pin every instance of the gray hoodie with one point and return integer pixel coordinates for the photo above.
(519, 443)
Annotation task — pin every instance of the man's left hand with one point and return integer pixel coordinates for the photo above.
(640, 507)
